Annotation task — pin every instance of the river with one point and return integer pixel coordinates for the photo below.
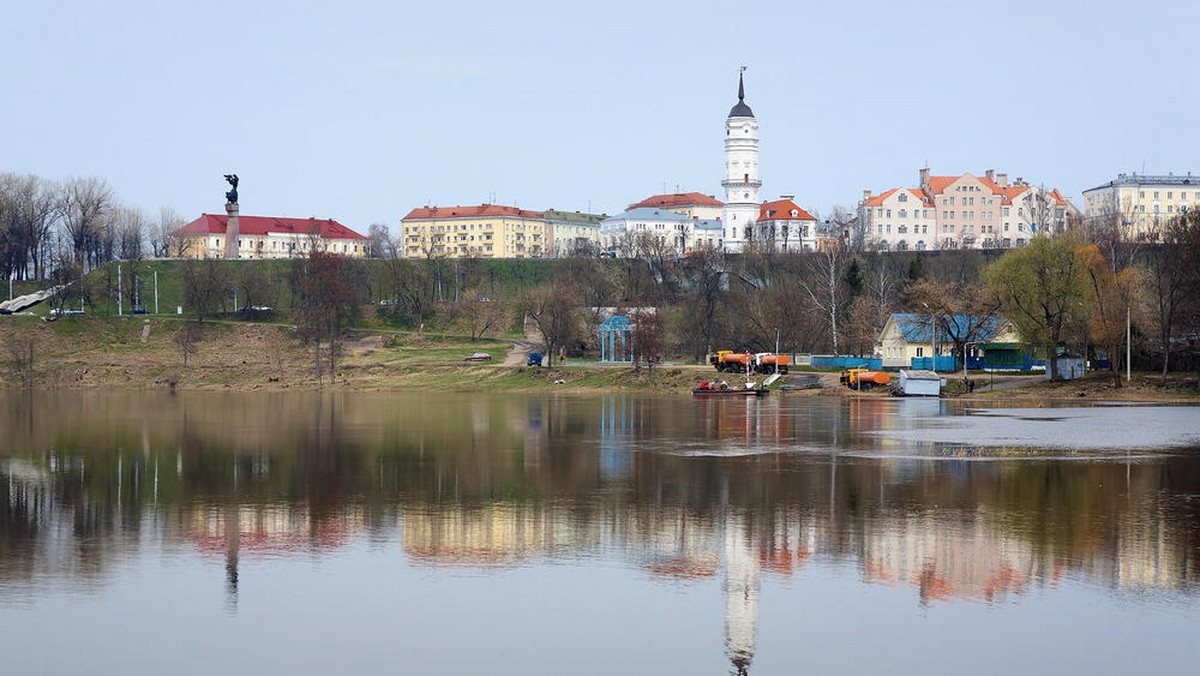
(305, 533)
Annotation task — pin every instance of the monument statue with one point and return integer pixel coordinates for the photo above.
(231, 196)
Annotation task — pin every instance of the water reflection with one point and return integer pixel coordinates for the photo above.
(686, 491)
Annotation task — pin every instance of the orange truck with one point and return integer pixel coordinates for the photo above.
(728, 360)
(741, 362)
(864, 379)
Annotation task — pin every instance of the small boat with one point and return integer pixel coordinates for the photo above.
(722, 389)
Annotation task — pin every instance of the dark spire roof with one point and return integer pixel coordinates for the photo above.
(741, 109)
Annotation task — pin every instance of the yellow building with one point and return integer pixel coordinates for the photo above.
(485, 231)
(1140, 203)
(268, 237)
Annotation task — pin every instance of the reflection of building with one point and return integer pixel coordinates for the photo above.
(740, 589)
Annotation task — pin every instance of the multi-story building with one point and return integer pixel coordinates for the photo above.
(1138, 202)
(571, 232)
(628, 233)
(268, 237)
(784, 226)
(966, 211)
(484, 231)
(691, 204)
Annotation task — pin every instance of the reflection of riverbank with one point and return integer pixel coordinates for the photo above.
(480, 481)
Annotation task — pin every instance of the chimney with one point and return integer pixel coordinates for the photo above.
(1002, 180)
(787, 197)
(991, 175)
(866, 195)
(1020, 181)
(925, 178)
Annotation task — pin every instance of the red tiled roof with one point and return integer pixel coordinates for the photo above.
(262, 225)
(781, 210)
(481, 211)
(939, 183)
(679, 199)
(877, 200)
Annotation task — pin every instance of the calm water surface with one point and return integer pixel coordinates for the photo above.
(453, 534)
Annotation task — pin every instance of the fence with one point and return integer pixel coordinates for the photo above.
(847, 362)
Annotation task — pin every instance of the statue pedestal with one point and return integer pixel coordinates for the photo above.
(232, 231)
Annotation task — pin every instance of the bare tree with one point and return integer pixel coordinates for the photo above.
(1174, 269)
(204, 282)
(164, 240)
(379, 241)
(130, 225)
(326, 298)
(86, 206)
(823, 283)
(555, 310)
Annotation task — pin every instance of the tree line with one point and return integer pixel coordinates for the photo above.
(62, 229)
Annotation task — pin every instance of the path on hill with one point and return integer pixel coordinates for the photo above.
(519, 354)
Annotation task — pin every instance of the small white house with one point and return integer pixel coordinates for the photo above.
(920, 383)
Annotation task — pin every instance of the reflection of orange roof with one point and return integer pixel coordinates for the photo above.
(684, 568)
(264, 542)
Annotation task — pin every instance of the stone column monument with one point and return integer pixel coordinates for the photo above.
(232, 228)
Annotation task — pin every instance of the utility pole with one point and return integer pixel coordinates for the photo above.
(118, 289)
(1128, 340)
(156, 292)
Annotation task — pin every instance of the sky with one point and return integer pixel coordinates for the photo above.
(361, 111)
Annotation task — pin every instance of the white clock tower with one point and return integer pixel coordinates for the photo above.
(741, 173)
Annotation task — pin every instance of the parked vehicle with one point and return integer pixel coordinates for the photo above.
(863, 379)
(479, 356)
(744, 362)
(535, 359)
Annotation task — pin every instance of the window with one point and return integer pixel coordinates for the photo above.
(904, 197)
(920, 351)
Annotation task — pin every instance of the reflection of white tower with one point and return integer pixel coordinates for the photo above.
(741, 595)
(741, 172)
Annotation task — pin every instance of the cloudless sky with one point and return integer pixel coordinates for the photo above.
(361, 111)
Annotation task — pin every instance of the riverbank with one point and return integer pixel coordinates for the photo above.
(140, 353)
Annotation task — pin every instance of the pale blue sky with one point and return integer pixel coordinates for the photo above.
(360, 111)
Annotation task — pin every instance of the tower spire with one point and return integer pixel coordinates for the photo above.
(741, 109)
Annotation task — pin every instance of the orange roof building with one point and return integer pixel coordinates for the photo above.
(965, 211)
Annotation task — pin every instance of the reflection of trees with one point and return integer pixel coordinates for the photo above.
(484, 480)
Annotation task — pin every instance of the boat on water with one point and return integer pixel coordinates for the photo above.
(722, 389)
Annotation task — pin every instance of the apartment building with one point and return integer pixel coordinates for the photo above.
(484, 231)
(1140, 202)
(964, 211)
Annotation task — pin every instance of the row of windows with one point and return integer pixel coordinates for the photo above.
(1170, 194)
